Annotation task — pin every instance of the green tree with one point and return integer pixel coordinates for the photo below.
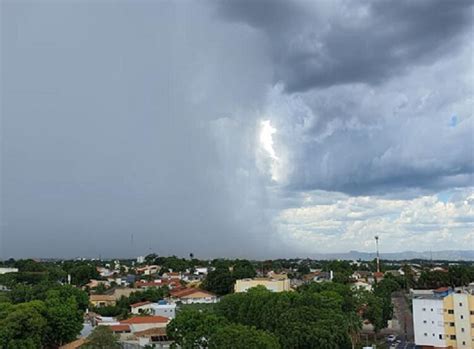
(242, 337)
(64, 320)
(220, 281)
(102, 337)
(22, 326)
(243, 269)
(192, 328)
(82, 274)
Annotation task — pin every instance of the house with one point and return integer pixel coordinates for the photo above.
(193, 295)
(8, 270)
(161, 308)
(361, 285)
(277, 276)
(141, 323)
(171, 276)
(362, 275)
(273, 285)
(140, 307)
(172, 284)
(120, 328)
(93, 283)
(155, 337)
(148, 269)
(101, 300)
(200, 270)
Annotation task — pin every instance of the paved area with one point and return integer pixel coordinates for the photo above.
(402, 313)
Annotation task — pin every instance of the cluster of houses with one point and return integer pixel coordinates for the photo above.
(148, 320)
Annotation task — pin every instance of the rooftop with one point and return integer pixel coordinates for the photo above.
(146, 320)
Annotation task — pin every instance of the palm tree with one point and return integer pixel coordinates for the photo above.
(354, 326)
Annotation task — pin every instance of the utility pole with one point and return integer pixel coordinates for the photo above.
(378, 256)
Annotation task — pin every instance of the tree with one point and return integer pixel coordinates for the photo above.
(243, 269)
(22, 326)
(192, 328)
(82, 274)
(242, 337)
(100, 289)
(354, 326)
(102, 337)
(64, 320)
(219, 281)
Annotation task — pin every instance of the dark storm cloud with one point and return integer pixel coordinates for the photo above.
(123, 118)
(323, 43)
(108, 117)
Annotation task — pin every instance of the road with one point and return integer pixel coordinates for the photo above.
(402, 312)
(404, 345)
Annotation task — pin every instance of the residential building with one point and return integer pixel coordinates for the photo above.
(362, 285)
(8, 270)
(101, 300)
(274, 285)
(193, 295)
(161, 308)
(141, 323)
(444, 319)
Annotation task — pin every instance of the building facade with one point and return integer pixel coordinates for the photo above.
(274, 285)
(444, 320)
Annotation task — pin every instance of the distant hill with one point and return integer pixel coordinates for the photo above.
(452, 255)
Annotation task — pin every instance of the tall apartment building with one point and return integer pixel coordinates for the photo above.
(444, 319)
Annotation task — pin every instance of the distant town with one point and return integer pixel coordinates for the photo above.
(170, 302)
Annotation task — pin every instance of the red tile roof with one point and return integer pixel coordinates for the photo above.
(189, 291)
(119, 328)
(139, 304)
(146, 320)
(151, 332)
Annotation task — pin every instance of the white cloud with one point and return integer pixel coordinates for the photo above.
(333, 222)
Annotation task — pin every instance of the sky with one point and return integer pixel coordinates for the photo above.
(250, 129)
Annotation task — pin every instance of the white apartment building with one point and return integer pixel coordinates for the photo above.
(444, 320)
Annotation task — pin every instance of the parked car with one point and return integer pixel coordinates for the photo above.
(391, 338)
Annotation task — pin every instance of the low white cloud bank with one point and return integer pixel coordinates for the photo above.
(334, 222)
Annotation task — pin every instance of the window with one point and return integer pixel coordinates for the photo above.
(451, 324)
(426, 334)
(463, 342)
(453, 337)
(424, 309)
(462, 329)
(440, 336)
(431, 309)
(424, 321)
(472, 312)
(460, 304)
(450, 311)
(462, 317)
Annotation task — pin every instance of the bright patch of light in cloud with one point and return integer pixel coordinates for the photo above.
(266, 138)
(266, 142)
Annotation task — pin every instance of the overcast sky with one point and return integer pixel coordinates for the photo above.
(250, 128)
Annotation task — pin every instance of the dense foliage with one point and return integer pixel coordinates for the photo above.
(194, 328)
(221, 280)
(314, 317)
